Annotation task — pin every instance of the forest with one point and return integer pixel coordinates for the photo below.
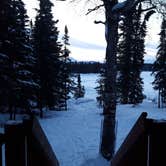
(37, 75)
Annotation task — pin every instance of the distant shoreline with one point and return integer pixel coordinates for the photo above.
(95, 67)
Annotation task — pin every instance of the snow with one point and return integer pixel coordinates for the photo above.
(119, 6)
(13, 122)
(124, 6)
(150, 93)
(3, 56)
(27, 83)
(75, 134)
(28, 46)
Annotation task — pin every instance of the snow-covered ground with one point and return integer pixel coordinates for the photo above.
(75, 134)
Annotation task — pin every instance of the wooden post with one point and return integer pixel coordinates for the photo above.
(40, 152)
(134, 150)
(15, 144)
(1, 143)
(157, 143)
(0, 154)
(144, 145)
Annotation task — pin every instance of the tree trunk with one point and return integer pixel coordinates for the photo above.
(111, 69)
(159, 100)
(109, 110)
(40, 105)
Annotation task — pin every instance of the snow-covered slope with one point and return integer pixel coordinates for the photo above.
(75, 134)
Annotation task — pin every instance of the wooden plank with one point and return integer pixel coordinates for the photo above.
(39, 150)
(157, 143)
(0, 154)
(133, 151)
(14, 144)
(2, 139)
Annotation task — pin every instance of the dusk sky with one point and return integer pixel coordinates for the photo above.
(86, 38)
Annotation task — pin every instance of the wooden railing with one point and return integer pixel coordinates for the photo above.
(144, 145)
(26, 145)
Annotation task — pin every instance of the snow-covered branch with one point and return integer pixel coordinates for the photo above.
(125, 6)
(147, 9)
(3, 56)
(160, 6)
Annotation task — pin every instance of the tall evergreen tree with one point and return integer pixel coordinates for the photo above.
(25, 75)
(124, 59)
(79, 89)
(159, 67)
(66, 76)
(100, 88)
(130, 58)
(4, 58)
(15, 45)
(47, 49)
(137, 58)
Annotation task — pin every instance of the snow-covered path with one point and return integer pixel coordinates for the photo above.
(75, 134)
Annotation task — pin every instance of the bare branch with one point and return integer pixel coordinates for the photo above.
(94, 9)
(99, 22)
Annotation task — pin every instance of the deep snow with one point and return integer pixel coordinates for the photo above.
(75, 134)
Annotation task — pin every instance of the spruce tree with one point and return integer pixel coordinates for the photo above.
(137, 55)
(130, 57)
(15, 46)
(100, 88)
(124, 59)
(47, 49)
(159, 67)
(4, 58)
(67, 82)
(26, 62)
(79, 89)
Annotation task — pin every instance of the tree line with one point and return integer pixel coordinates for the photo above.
(33, 63)
(96, 67)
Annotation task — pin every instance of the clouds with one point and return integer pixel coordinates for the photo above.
(85, 45)
(86, 38)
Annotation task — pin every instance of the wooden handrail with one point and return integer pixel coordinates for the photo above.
(39, 149)
(132, 141)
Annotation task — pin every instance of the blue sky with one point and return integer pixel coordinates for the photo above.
(86, 38)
